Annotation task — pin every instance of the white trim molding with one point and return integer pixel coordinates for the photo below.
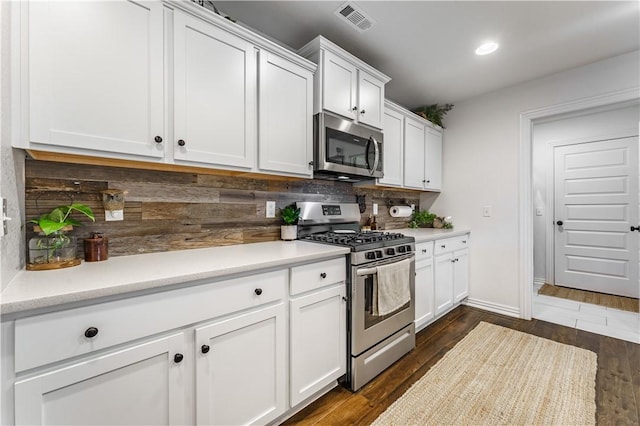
(494, 307)
(525, 204)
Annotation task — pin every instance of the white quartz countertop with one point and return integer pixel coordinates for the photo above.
(429, 234)
(31, 290)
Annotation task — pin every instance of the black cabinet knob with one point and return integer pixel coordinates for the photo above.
(181, 142)
(158, 139)
(424, 250)
(258, 291)
(344, 299)
(311, 163)
(559, 223)
(323, 275)
(205, 349)
(362, 112)
(355, 108)
(428, 181)
(635, 228)
(443, 246)
(177, 358)
(91, 332)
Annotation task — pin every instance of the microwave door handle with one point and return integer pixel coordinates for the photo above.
(376, 147)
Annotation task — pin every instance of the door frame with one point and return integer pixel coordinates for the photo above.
(525, 193)
(550, 190)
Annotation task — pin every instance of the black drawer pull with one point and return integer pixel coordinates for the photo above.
(177, 358)
(91, 332)
(258, 291)
(158, 139)
(205, 349)
(323, 275)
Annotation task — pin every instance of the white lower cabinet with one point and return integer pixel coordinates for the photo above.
(140, 384)
(425, 311)
(227, 352)
(443, 282)
(442, 279)
(241, 368)
(318, 341)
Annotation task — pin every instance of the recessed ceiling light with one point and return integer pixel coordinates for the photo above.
(487, 48)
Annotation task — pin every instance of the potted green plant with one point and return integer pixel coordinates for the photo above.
(434, 113)
(289, 215)
(422, 219)
(52, 248)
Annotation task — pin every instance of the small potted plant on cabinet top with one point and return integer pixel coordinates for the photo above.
(290, 216)
(52, 248)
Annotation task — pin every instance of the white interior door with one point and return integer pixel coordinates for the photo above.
(596, 204)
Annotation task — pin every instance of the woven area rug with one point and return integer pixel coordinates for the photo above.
(500, 376)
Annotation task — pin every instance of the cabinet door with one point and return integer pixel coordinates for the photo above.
(241, 368)
(95, 76)
(339, 86)
(433, 159)
(443, 270)
(413, 154)
(215, 95)
(370, 100)
(318, 341)
(392, 148)
(424, 293)
(286, 117)
(460, 275)
(137, 385)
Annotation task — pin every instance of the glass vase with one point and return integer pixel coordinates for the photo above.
(52, 248)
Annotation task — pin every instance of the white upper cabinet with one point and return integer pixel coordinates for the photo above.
(370, 100)
(156, 81)
(414, 152)
(393, 148)
(433, 159)
(215, 94)
(286, 117)
(94, 77)
(339, 83)
(345, 85)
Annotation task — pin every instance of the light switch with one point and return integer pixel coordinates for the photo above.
(271, 209)
(113, 215)
(486, 211)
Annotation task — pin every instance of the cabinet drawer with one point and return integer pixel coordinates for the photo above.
(424, 251)
(451, 244)
(317, 275)
(56, 336)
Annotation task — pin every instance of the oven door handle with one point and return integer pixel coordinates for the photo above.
(366, 271)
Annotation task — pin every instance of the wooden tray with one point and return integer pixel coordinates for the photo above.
(53, 265)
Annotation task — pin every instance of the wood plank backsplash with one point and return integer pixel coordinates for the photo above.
(167, 211)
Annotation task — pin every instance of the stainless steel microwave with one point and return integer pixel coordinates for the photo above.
(344, 150)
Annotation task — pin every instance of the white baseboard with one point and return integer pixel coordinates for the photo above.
(494, 307)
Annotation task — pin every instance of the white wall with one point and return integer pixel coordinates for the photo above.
(12, 246)
(591, 125)
(480, 168)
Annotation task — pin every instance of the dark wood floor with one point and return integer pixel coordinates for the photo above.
(617, 379)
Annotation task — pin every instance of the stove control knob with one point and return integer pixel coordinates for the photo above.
(391, 251)
(402, 249)
(408, 249)
(370, 255)
(378, 254)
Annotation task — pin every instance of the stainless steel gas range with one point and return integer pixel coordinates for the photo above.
(376, 337)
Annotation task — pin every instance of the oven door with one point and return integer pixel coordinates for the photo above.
(368, 329)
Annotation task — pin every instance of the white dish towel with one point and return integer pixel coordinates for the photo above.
(393, 287)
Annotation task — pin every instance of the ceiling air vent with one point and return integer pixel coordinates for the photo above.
(355, 16)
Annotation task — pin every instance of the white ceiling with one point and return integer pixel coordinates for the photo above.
(427, 47)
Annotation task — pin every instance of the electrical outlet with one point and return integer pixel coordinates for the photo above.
(486, 211)
(113, 215)
(375, 209)
(271, 209)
